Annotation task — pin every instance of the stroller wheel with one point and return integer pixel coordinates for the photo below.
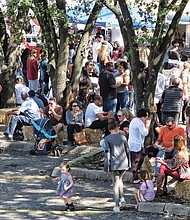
(32, 152)
(58, 153)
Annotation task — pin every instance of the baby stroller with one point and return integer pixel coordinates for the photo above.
(45, 136)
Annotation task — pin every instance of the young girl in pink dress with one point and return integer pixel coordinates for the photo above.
(65, 188)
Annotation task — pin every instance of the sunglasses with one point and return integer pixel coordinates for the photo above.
(74, 105)
(169, 126)
(119, 116)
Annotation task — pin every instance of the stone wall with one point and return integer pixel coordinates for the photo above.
(4, 119)
(182, 190)
(93, 136)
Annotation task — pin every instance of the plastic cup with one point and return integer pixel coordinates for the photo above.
(64, 141)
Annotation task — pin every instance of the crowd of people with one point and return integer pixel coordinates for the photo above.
(105, 101)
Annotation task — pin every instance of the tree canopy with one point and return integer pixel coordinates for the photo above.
(53, 16)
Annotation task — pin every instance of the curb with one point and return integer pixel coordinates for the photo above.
(165, 208)
(92, 174)
(98, 174)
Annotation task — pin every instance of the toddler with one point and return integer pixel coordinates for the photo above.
(65, 188)
(146, 190)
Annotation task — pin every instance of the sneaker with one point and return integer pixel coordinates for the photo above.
(6, 134)
(9, 138)
(70, 207)
(66, 207)
(122, 201)
(116, 209)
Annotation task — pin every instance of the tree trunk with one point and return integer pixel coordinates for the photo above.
(7, 80)
(8, 56)
(59, 82)
(81, 51)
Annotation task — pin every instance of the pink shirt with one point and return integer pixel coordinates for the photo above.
(149, 193)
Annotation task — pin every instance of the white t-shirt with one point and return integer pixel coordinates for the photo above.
(96, 49)
(160, 86)
(137, 134)
(90, 114)
(18, 89)
(30, 109)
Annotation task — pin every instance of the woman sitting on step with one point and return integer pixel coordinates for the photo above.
(74, 118)
(178, 167)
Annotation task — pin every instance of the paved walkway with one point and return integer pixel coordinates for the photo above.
(27, 191)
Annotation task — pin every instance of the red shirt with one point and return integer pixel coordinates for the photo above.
(32, 69)
(166, 136)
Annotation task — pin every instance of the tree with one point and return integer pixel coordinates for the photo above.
(55, 16)
(159, 40)
(53, 19)
(77, 67)
(9, 48)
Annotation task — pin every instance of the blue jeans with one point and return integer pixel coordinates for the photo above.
(15, 120)
(110, 105)
(131, 101)
(122, 100)
(163, 155)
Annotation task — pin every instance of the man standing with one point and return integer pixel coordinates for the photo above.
(144, 53)
(171, 101)
(96, 47)
(174, 56)
(54, 112)
(95, 118)
(44, 77)
(28, 110)
(185, 75)
(32, 71)
(138, 130)
(108, 87)
(160, 86)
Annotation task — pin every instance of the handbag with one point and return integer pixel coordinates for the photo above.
(184, 173)
(80, 137)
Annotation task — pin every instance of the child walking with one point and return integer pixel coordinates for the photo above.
(65, 188)
(117, 161)
(146, 190)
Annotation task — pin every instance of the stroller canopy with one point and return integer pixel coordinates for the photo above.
(43, 128)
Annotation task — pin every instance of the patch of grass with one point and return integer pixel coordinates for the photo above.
(91, 162)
